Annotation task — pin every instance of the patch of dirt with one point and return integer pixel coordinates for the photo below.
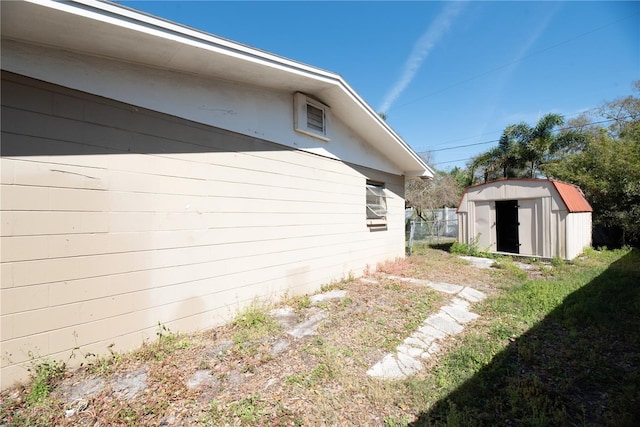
(214, 378)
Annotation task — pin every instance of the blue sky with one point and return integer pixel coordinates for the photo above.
(446, 74)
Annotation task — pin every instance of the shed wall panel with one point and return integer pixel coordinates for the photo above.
(578, 227)
(115, 218)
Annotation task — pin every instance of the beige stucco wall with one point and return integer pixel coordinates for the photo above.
(115, 218)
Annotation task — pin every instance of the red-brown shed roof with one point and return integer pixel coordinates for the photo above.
(573, 197)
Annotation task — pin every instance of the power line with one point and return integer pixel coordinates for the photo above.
(461, 146)
(496, 140)
(497, 131)
(452, 161)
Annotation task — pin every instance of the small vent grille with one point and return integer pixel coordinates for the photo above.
(311, 117)
(315, 118)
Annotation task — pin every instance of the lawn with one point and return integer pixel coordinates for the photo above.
(558, 344)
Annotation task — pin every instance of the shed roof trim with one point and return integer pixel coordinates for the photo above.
(571, 195)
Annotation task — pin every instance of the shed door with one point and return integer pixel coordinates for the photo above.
(507, 226)
(531, 230)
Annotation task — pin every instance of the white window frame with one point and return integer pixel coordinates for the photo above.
(376, 200)
(301, 119)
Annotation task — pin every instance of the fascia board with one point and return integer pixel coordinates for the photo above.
(186, 45)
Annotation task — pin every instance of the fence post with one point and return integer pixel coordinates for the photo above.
(412, 228)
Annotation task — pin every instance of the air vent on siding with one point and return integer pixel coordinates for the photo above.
(311, 117)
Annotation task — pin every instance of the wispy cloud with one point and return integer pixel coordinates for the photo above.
(523, 53)
(421, 50)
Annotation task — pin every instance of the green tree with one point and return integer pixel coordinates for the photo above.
(538, 143)
(508, 155)
(524, 151)
(484, 166)
(605, 164)
(608, 172)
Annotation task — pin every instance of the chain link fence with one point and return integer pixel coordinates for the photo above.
(442, 227)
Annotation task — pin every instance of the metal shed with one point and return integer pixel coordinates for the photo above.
(529, 217)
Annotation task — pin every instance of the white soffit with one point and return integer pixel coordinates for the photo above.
(112, 31)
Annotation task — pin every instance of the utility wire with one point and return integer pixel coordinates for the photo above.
(496, 140)
(497, 131)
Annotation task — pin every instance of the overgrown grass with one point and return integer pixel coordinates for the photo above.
(469, 249)
(561, 350)
(250, 326)
(167, 343)
(44, 374)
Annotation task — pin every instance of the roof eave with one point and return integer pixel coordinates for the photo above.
(124, 34)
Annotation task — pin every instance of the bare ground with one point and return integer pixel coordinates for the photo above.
(256, 373)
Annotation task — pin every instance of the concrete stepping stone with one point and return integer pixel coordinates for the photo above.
(286, 316)
(201, 378)
(429, 332)
(415, 341)
(409, 350)
(425, 341)
(459, 311)
(128, 385)
(387, 369)
(308, 327)
(447, 288)
(326, 296)
(445, 323)
(479, 262)
(471, 294)
(280, 347)
(409, 365)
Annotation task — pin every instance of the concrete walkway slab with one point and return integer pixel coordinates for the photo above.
(425, 341)
(478, 262)
(387, 369)
(471, 295)
(446, 288)
(286, 316)
(445, 323)
(430, 332)
(409, 365)
(327, 296)
(459, 310)
(308, 327)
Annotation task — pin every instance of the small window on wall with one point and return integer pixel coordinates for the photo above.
(376, 205)
(311, 117)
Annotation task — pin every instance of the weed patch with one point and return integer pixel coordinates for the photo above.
(560, 349)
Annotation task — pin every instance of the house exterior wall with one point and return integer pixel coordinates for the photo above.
(248, 110)
(546, 227)
(115, 217)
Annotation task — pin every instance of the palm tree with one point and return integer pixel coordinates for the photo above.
(508, 155)
(539, 142)
(523, 150)
(485, 162)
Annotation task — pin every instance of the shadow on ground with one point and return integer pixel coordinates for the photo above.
(578, 366)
